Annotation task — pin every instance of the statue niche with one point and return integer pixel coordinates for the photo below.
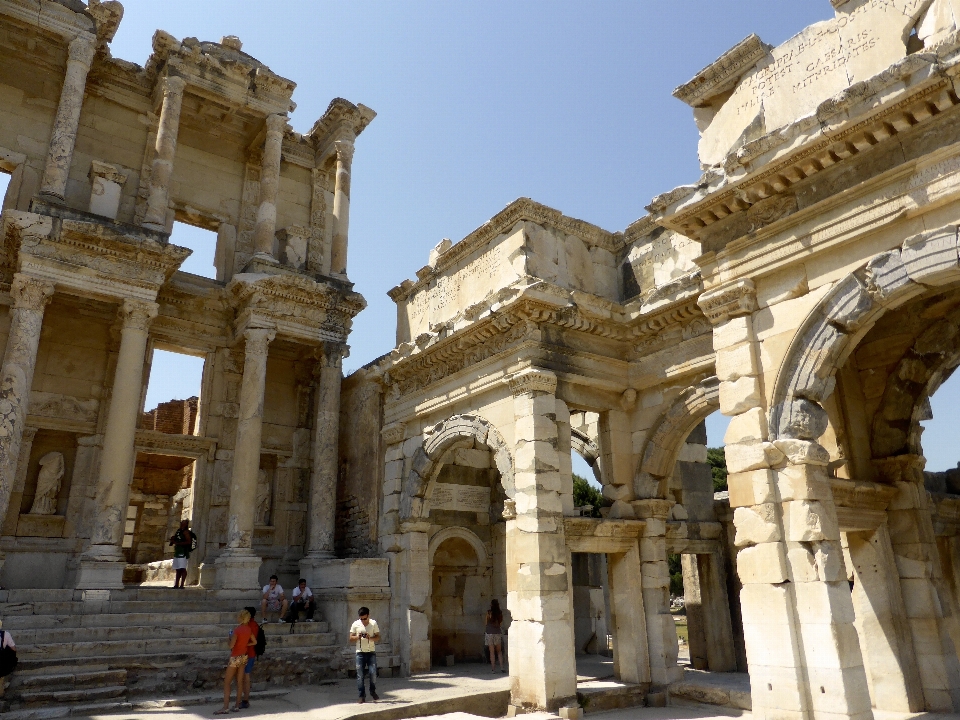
(263, 501)
(48, 484)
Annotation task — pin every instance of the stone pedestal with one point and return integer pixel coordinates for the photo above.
(65, 125)
(238, 566)
(97, 575)
(162, 168)
(323, 481)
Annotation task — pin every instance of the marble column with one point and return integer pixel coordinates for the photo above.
(341, 208)
(266, 227)
(628, 623)
(542, 650)
(161, 171)
(101, 566)
(65, 125)
(323, 480)
(237, 566)
(30, 298)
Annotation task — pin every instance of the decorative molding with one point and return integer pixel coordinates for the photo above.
(30, 293)
(722, 75)
(739, 298)
(138, 314)
(532, 380)
(393, 433)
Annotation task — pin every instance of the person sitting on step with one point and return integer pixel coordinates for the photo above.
(274, 601)
(302, 600)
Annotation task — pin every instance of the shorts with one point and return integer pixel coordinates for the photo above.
(492, 640)
(237, 661)
(250, 663)
(180, 563)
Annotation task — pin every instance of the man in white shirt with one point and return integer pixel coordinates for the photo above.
(366, 634)
(273, 599)
(302, 600)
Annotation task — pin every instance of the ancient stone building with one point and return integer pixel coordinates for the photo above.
(807, 285)
(104, 157)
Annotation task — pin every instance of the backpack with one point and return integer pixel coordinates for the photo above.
(8, 658)
(261, 645)
(193, 541)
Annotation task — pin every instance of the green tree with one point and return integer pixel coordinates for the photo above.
(586, 494)
(718, 467)
(676, 575)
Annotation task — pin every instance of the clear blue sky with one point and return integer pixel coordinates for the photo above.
(481, 102)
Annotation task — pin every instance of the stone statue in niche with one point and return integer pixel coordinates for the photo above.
(48, 484)
(263, 499)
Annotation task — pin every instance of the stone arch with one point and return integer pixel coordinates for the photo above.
(441, 438)
(835, 326)
(588, 450)
(668, 436)
(464, 534)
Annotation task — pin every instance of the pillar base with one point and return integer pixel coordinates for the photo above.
(238, 570)
(100, 575)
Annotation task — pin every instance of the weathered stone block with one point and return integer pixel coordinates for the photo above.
(803, 482)
(742, 457)
(765, 563)
(930, 258)
(887, 277)
(756, 524)
(848, 304)
(472, 458)
(800, 452)
(739, 396)
(801, 419)
(736, 362)
(751, 488)
(809, 521)
(747, 426)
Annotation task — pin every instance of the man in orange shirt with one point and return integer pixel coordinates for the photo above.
(251, 658)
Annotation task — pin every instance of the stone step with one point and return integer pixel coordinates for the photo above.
(75, 695)
(19, 623)
(62, 680)
(155, 646)
(27, 638)
(124, 607)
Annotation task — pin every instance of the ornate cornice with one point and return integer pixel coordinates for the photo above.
(739, 298)
(723, 73)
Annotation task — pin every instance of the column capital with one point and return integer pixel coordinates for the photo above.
(30, 293)
(729, 301)
(82, 50)
(173, 84)
(276, 123)
(137, 314)
(330, 355)
(257, 340)
(344, 150)
(532, 380)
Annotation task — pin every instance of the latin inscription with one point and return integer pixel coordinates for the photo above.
(445, 290)
(464, 498)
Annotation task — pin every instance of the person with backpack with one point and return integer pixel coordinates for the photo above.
(241, 638)
(8, 656)
(184, 542)
(253, 652)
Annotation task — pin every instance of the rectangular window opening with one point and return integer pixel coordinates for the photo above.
(173, 393)
(203, 243)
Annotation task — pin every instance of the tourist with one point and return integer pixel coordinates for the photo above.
(251, 657)
(493, 634)
(302, 600)
(8, 657)
(183, 542)
(366, 634)
(273, 599)
(240, 639)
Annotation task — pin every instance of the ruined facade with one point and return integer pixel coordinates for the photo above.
(807, 286)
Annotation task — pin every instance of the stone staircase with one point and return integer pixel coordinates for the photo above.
(94, 651)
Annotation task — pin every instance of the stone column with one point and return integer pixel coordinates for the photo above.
(542, 651)
(30, 297)
(706, 593)
(237, 566)
(415, 598)
(628, 624)
(882, 624)
(662, 641)
(266, 227)
(802, 646)
(161, 171)
(323, 479)
(65, 125)
(341, 208)
(917, 561)
(101, 566)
